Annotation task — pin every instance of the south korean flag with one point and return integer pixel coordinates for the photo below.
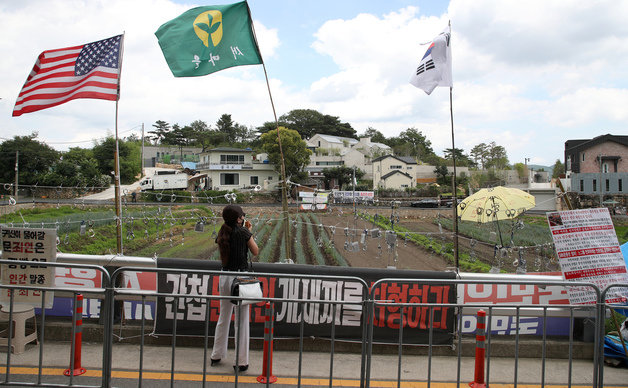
(435, 66)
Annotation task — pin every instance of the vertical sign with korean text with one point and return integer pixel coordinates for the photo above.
(588, 251)
(32, 245)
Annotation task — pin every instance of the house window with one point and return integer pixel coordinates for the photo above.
(581, 184)
(270, 178)
(254, 180)
(396, 167)
(594, 184)
(619, 185)
(231, 159)
(229, 179)
(605, 168)
(583, 156)
(409, 167)
(608, 185)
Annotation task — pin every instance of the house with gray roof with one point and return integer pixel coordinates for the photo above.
(394, 172)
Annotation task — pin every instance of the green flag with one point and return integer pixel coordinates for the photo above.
(207, 39)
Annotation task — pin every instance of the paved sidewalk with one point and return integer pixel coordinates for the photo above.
(316, 365)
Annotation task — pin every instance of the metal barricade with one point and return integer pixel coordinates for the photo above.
(607, 307)
(120, 292)
(12, 379)
(524, 309)
(571, 371)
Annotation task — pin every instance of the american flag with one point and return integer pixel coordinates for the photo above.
(88, 71)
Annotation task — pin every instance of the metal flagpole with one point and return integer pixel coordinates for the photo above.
(454, 204)
(118, 198)
(109, 305)
(284, 185)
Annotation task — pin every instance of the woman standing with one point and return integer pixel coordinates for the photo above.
(234, 243)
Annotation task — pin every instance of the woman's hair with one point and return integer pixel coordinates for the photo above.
(230, 214)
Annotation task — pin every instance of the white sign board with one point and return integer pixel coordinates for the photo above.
(588, 251)
(33, 245)
(313, 201)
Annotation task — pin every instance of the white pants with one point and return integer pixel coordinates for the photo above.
(221, 336)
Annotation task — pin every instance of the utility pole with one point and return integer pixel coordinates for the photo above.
(142, 172)
(17, 158)
(526, 160)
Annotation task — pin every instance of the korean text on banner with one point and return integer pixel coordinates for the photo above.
(207, 39)
(88, 71)
(33, 245)
(434, 69)
(588, 251)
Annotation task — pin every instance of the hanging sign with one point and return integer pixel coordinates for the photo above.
(28, 245)
(588, 251)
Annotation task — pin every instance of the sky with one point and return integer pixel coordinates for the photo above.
(526, 75)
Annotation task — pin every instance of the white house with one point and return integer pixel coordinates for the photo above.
(396, 180)
(333, 151)
(235, 168)
(385, 171)
(329, 142)
(371, 149)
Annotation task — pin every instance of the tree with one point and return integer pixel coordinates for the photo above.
(200, 132)
(461, 158)
(479, 153)
(497, 157)
(226, 125)
(308, 122)
(559, 169)
(412, 142)
(375, 135)
(442, 175)
(521, 170)
(296, 154)
(87, 165)
(160, 132)
(343, 175)
(181, 137)
(34, 159)
(490, 156)
(130, 164)
(228, 131)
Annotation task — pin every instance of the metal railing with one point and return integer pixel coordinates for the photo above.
(368, 304)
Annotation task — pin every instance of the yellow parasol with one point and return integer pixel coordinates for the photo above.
(494, 204)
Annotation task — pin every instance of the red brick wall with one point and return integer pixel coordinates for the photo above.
(609, 148)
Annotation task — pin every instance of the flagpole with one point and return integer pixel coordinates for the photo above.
(116, 158)
(284, 185)
(454, 203)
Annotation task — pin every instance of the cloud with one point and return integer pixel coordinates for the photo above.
(149, 92)
(527, 75)
(521, 71)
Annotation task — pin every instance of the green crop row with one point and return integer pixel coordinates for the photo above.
(311, 238)
(330, 248)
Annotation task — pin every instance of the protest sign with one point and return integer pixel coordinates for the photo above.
(28, 245)
(588, 251)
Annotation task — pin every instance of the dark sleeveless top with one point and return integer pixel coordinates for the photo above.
(239, 250)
